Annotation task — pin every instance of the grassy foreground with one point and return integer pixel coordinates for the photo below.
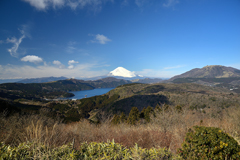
(40, 137)
(93, 150)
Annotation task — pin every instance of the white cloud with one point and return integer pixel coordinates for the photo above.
(32, 58)
(14, 50)
(58, 63)
(79, 71)
(70, 63)
(11, 40)
(99, 38)
(43, 5)
(170, 3)
(16, 42)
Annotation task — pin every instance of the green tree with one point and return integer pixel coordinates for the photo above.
(142, 113)
(133, 116)
(116, 119)
(147, 113)
(123, 117)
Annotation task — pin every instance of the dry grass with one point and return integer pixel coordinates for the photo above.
(167, 129)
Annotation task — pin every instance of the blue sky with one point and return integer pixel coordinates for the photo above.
(88, 38)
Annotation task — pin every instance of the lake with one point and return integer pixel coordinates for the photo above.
(88, 93)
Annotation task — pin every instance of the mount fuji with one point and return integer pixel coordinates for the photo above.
(122, 72)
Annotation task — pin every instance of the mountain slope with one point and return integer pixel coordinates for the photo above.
(42, 80)
(213, 71)
(55, 89)
(123, 72)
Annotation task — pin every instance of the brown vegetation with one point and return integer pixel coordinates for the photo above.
(167, 129)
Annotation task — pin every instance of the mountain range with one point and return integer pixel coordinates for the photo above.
(119, 73)
(206, 76)
(42, 80)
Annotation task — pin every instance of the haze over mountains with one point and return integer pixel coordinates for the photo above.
(198, 75)
(119, 73)
(42, 80)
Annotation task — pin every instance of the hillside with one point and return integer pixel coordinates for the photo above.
(216, 75)
(54, 89)
(190, 96)
(212, 71)
(41, 80)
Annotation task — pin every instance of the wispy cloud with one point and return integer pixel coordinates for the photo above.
(32, 59)
(140, 3)
(43, 5)
(174, 67)
(70, 47)
(16, 42)
(125, 2)
(58, 63)
(99, 38)
(79, 71)
(170, 3)
(70, 63)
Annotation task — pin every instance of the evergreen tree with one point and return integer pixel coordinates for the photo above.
(133, 116)
(142, 113)
(123, 117)
(147, 113)
(116, 119)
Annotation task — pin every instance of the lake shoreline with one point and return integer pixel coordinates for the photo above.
(85, 93)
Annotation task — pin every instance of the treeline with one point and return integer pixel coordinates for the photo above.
(135, 116)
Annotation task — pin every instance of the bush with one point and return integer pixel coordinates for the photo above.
(93, 150)
(112, 150)
(37, 151)
(209, 143)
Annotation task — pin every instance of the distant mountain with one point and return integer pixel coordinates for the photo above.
(42, 80)
(212, 71)
(122, 72)
(214, 76)
(147, 80)
(55, 89)
(9, 80)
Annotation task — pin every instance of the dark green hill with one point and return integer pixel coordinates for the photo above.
(54, 89)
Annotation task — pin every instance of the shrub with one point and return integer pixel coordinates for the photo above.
(112, 150)
(209, 143)
(37, 151)
(93, 150)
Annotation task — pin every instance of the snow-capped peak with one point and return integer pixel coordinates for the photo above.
(122, 72)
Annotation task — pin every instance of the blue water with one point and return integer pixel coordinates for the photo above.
(89, 93)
